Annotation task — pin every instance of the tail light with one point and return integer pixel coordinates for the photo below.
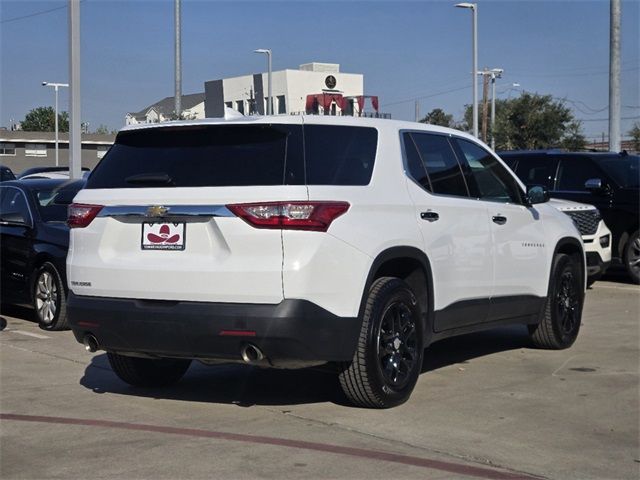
(81, 215)
(314, 216)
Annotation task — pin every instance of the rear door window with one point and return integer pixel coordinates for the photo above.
(203, 156)
(339, 155)
(445, 174)
(13, 206)
(537, 170)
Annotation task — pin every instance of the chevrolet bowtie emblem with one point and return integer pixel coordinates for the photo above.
(156, 211)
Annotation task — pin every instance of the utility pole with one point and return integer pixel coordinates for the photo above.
(417, 111)
(75, 135)
(485, 102)
(614, 77)
(178, 62)
(495, 73)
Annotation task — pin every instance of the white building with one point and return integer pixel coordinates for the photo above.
(315, 88)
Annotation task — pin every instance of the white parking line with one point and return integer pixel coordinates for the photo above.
(29, 334)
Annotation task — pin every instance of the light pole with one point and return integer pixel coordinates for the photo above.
(474, 70)
(55, 87)
(270, 100)
(495, 73)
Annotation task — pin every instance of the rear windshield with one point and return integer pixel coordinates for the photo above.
(53, 203)
(238, 155)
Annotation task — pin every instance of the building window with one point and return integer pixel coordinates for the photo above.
(282, 107)
(240, 106)
(35, 150)
(101, 150)
(229, 104)
(7, 148)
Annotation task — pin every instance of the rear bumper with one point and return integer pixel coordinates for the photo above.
(291, 332)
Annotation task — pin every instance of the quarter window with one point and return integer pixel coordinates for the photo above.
(441, 164)
(415, 167)
(487, 178)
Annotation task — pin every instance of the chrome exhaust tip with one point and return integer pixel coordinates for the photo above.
(90, 343)
(251, 354)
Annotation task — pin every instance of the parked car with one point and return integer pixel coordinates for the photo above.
(294, 241)
(35, 238)
(595, 235)
(44, 170)
(6, 174)
(609, 181)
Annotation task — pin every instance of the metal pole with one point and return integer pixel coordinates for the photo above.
(75, 135)
(417, 111)
(493, 111)
(178, 62)
(270, 102)
(614, 77)
(56, 124)
(474, 74)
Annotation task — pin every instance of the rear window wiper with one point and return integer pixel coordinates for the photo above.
(150, 179)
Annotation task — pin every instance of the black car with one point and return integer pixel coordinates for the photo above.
(35, 238)
(44, 170)
(6, 174)
(607, 180)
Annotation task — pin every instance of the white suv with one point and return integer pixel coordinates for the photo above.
(293, 241)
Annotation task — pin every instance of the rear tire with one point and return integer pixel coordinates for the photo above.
(148, 372)
(560, 322)
(388, 357)
(631, 257)
(49, 298)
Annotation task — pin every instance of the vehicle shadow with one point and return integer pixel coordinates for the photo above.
(246, 386)
(17, 311)
(616, 274)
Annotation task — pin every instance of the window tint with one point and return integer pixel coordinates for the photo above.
(537, 170)
(53, 204)
(442, 166)
(415, 167)
(205, 155)
(574, 172)
(337, 155)
(488, 179)
(13, 206)
(625, 169)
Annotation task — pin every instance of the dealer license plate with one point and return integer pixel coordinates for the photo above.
(163, 236)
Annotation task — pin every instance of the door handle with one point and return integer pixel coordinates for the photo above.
(499, 219)
(429, 216)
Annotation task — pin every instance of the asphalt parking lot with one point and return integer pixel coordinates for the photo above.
(487, 406)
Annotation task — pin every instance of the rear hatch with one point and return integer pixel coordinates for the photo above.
(153, 221)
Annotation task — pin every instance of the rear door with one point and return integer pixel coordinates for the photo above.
(455, 229)
(164, 231)
(16, 236)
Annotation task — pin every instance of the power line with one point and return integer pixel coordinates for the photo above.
(605, 119)
(34, 14)
(426, 96)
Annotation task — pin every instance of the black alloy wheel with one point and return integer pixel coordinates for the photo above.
(632, 256)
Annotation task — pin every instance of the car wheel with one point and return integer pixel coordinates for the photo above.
(148, 372)
(560, 322)
(388, 357)
(632, 256)
(49, 299)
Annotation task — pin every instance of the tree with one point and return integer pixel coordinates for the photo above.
(533, 121)
(42, 119)
(573, 138)
(102, 130)
(437, 116)
(634, 133)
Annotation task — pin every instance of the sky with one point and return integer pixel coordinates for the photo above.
(407, 51)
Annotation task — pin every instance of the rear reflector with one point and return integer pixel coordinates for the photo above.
(237, 333)
(80, 215)
(314, 216)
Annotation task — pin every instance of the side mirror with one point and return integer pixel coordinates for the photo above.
(537, 194)
(594, 185)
